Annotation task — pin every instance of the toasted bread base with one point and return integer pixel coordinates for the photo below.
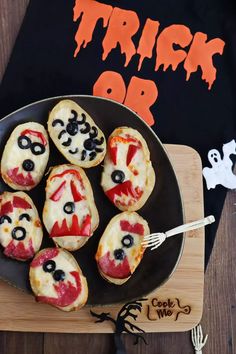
(124, 215)
(79, 241)
(37, 240)
(84, 286)
(7, 153)
(151, 177)
(71, 105)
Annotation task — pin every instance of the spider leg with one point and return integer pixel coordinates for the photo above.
(57, 121)
(93, 132)
(92, 155)
(99, 141)
(75, 115)
(83, 155)
(86, 129)
(61, 133)
(67, 142)
(83, 120)
(98, 149)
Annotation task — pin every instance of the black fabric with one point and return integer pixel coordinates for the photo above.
(185, 112)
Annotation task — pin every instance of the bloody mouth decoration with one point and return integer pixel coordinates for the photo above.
(56, 279)
(20, 227)
(67, 293)
(69, 209)
(128, 177)
(25, 156)
(19, 178)
(110, 268)
(120, 251)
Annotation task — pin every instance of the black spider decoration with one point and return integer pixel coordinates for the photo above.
(75, 126)
(122, 325)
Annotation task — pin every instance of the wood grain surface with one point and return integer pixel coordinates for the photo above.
(186, 284)
(219, 317)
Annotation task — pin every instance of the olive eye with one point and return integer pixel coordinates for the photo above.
(37, 148)
(127, 241)
(119, 254)
(5, 217)
(69, 208)
(118, 176)
(49, 266)
(72, 128)
(18, 233)
(25, 216)
(24, 142)
(59, 275)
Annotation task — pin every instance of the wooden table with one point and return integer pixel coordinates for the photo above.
(219, 317)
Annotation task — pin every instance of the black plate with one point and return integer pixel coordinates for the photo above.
(163, 209)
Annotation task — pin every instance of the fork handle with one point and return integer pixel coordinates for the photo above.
(190, 226)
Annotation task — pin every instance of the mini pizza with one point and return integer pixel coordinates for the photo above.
(128, 177)
(120, 250)
(56, 279)
(20, 227)
(76, 135)
(70, 214)
(25, 156)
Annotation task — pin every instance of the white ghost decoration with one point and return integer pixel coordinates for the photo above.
(221, 171)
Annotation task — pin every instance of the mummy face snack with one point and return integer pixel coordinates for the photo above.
(25, 156)
(120, 250)
(56, 279)
(20, 228)
(70, 215)
(76, 135)
(128, 177)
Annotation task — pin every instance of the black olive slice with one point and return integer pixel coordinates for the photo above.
(127, 241)
(49, 266)
(24, 142)
(83, 155)
(25, 216)
(118, 176)
(59, 275)
(92, 155)
(28, 165)
(57, 121)
(83, 120)
(61, 134)
(119, 254)
(93, 132)
(69, 208)
(86, 129)
(74, 151)
(72, 128)
(99, 141)
(37, 148)
(5, 217)
(18, 233)
(67, 142)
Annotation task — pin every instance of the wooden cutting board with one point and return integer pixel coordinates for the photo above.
(175, 306)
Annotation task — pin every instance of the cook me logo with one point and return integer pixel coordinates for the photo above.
(121, 25)
(159, 309)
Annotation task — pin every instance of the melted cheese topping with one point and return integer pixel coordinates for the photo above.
(53, 210)
(43, 281)
(111, 240)
(13, 155)
(33, 227)
(136, 172)
(63, 112)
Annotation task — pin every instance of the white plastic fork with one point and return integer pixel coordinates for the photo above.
(156, 239)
